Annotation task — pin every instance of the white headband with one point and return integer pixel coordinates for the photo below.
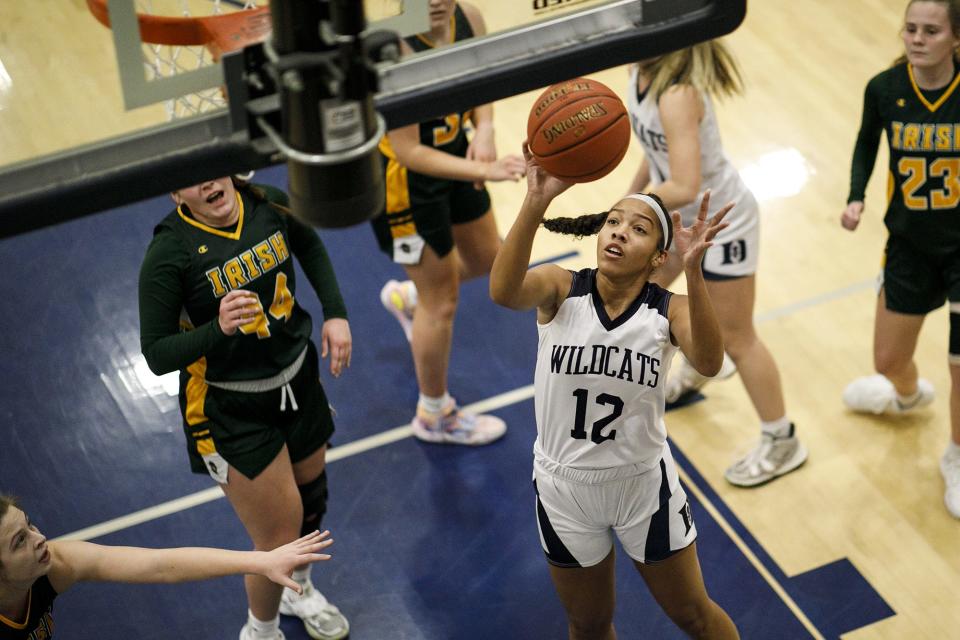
(665, 225)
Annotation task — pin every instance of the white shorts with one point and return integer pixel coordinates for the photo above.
(735, 249)
(579, 511)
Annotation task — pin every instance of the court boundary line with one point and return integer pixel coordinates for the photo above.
(493, 403)
(396, 434)
(334, 454)
(748, 553)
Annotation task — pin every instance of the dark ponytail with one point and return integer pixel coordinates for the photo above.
(586, 225)
(257, 193)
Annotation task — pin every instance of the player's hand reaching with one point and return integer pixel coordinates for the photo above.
(851, 215)
(506, 168)
(336, 341)
(539, 182)
(237, 308)
(693, 241)
(280, 563)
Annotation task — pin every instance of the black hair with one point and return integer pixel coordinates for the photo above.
(590, 224)
(6, 502)
(256, 192)
(585, 225)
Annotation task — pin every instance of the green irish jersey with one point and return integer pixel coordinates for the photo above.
(923, 134)
(190, 266)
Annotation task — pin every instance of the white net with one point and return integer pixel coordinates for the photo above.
(164, 60)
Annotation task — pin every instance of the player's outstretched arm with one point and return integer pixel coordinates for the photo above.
(693, 321)
(76, 561)
(426, 160)
(512, 284)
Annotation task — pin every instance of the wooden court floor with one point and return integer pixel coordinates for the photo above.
(871, 491)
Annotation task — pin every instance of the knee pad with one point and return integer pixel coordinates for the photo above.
(313, 495)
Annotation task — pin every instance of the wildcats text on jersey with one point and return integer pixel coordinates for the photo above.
(609, 361)
(925, 136)
(655, 139)
(249, 265)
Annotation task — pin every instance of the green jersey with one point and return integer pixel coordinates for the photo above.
(190, 266)
(923, 134)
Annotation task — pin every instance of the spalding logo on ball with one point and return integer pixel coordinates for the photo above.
(578, 130)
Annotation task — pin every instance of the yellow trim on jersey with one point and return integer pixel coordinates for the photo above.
(217, 232)
(196, 391)
(398, 191)
(890, 186)
(205, 446)
(935, 105)
(453, 32)
(16, 625)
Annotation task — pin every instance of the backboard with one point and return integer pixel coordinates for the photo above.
(68, 136)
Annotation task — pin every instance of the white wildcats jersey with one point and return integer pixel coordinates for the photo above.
(716, 171)
(599, 382)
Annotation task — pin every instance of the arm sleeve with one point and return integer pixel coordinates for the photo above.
(868, 140)
(309, 250)
(164, 346)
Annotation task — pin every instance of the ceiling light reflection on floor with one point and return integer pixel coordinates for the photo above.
(778, 174)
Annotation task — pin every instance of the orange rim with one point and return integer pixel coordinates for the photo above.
(220, 34)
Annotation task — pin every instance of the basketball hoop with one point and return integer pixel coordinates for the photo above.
(174, 44)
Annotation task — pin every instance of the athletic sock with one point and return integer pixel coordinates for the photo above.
(779, 428)
(910, 400)
(435, 405)
(263, 630)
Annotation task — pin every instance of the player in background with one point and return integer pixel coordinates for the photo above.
(439, 226)
(671, 110)
(217, 302)
(33, 572)
(917, 103)
(602, 463)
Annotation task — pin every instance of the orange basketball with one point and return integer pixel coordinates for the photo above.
(578, 130)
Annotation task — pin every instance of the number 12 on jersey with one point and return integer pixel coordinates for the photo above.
(579, 430)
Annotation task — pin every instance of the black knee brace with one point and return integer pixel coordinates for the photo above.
(314, 498)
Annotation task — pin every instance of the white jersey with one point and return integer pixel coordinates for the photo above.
(735, 249)
(600, 383)
(717, 173)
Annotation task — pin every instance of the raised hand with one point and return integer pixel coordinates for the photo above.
(280, 563)
(538, 180)
(693, 241)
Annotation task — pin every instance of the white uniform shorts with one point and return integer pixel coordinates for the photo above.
(735, 249)
(579, 511)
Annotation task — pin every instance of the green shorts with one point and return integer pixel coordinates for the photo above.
(431, 220)
(916, 282)
(248, 430)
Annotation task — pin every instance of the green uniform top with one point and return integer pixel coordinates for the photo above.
(923, 134)
(446, 133)
(190, 266)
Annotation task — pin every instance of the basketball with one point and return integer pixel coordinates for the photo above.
(578, 130)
